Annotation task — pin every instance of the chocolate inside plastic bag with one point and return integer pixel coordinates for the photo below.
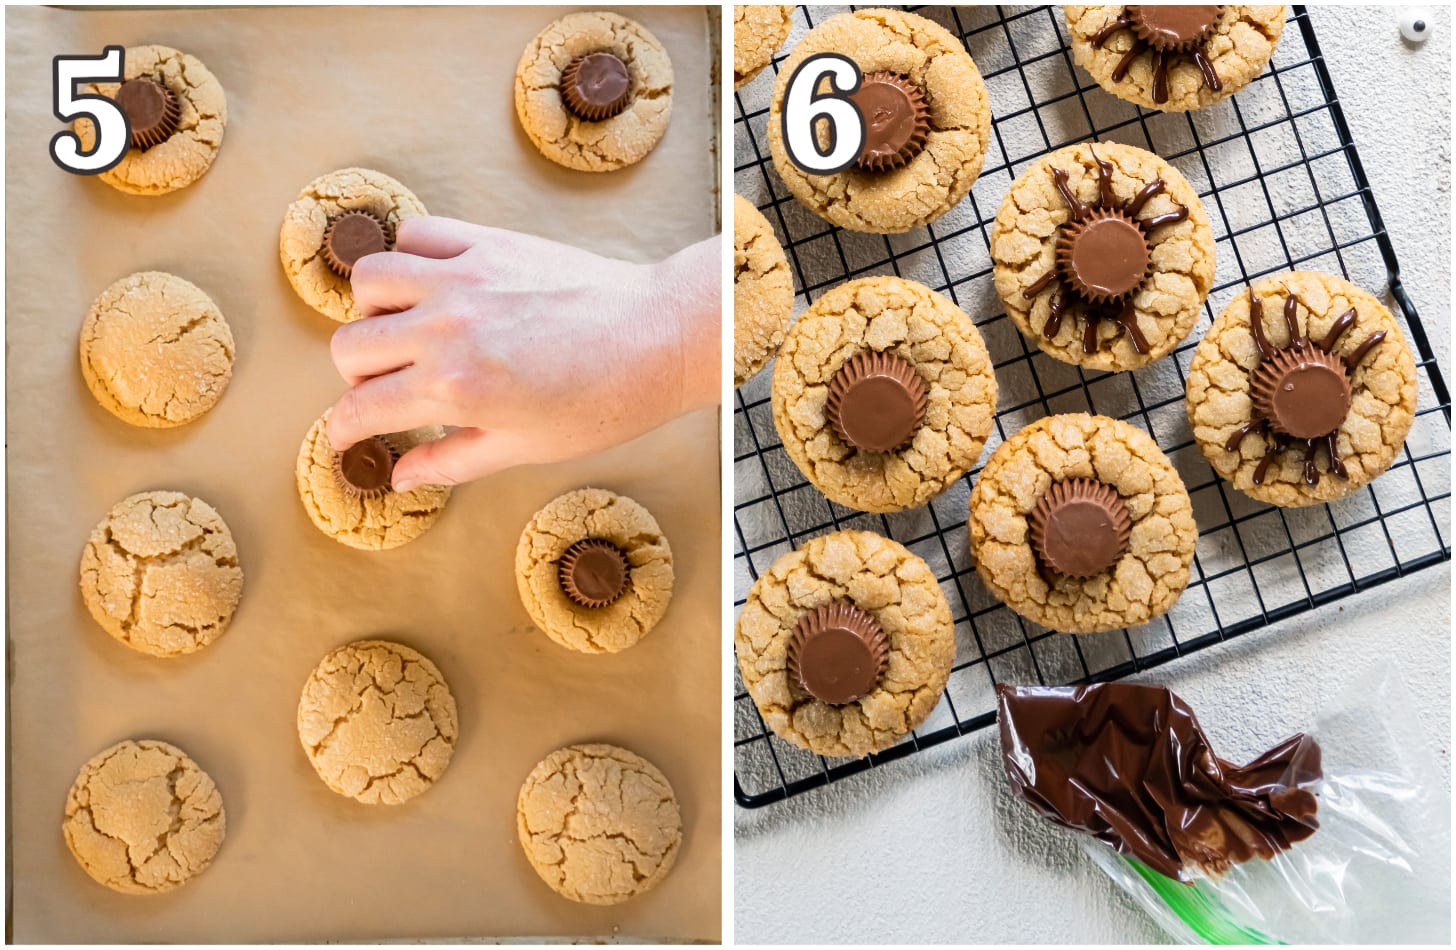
(1333, 836)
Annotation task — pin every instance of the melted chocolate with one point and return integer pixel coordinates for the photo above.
(1129, 765)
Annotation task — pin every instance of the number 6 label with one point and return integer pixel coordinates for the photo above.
(112, 131)
(805, 107)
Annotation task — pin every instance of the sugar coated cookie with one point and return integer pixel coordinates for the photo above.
(1103, 255)
(594, 91)
(348, 495)
(1303, 390)
(143, 818)
(846, 644)
(337, 219)
(594, 571)
(160, 573)
(929, 128)
(155, 350)
(177, 113)
(759, 29)
(377, 722)
(763, 292)
(1081, 524)
(599, 824)
(1174, 58)
(883, 394)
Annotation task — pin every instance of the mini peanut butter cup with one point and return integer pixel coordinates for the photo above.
(1302, 391)
(837, 653)
(151, 110)
(896, 117)
(876, 402)
(1079, 527)
(1174, 29)
(596, 86)
(1104, 256)
(364, 468)
(593, 572)
(350, 236)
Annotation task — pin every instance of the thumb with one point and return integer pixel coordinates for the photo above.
(462, 456)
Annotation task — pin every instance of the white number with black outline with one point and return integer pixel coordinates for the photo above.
(805, 107)
(112, 131)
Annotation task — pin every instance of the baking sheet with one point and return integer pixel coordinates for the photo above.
(424, 95)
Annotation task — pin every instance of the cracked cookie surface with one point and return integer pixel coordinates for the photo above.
(763, 292)
(377, 722)
(901, 317)
(160, 573)
(300, 242)
(1148, 577)
(879, 576)
(188, 153)
(1239, 48)
(759, 29)
(612, 143)
(155, 350)
(1383, 388)
(143, 818)
(1165, 305)
(936, 179)
(594, 513)
(368, 523)
(598, 823)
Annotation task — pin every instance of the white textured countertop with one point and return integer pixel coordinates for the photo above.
(934, 848)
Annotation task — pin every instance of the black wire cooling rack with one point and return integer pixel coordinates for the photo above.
(1277, 170)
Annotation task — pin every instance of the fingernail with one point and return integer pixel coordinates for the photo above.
(407, 484)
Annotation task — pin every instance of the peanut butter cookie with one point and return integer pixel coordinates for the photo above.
(599, 824)
(143, 818)
(883, 394)
(846, 644)
(160, 573)
(759, 29)
(337, 219)
(928, 128)
(377, 722)
(155, 350)
(1081, 524)
(1103, 255)
(177, 112)
(594, 571)
(763, 292)
(594, 91)
(1174, 58)
(1303, 390)
(348, 495)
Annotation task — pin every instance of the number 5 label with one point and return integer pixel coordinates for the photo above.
(805, 107)
(112, 131)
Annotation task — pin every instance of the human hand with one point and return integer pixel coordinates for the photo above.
(537, 351)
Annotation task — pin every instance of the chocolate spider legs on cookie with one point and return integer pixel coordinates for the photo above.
(1303, 389)
(1103, 255)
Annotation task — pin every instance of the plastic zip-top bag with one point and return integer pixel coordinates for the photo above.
(1337, 835)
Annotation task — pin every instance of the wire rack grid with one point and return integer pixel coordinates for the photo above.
(1277, 170)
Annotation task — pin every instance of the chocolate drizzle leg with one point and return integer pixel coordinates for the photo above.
(1166, 32)
(1302, 392)
(1102, 258)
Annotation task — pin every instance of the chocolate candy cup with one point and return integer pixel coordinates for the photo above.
(838, 653)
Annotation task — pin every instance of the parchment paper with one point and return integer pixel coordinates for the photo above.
(424, 95)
